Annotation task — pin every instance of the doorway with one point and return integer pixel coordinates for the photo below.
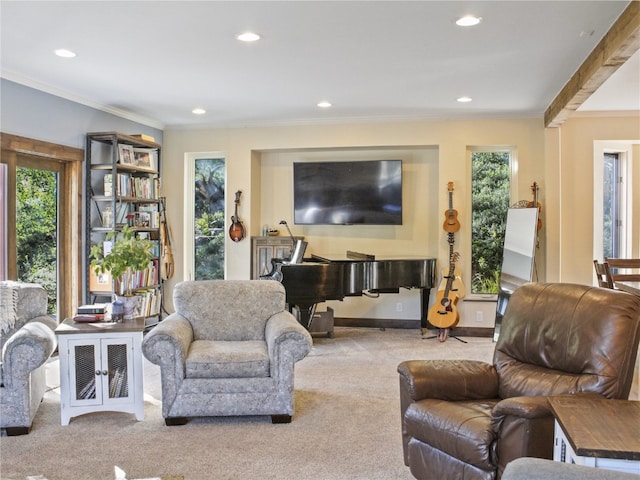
(40, 201)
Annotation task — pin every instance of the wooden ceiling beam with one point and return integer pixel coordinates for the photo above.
(616, 47)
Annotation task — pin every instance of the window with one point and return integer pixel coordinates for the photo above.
(611, 219)
(204, 217)
(491, 178)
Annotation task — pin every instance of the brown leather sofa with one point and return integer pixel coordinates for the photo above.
(464, 419)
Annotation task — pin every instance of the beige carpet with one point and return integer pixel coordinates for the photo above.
(346, 424)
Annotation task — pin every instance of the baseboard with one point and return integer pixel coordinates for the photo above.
(408, 324)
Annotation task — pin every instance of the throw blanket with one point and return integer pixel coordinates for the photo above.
(8, 305)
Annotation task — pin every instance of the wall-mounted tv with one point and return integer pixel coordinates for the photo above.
(367, 192)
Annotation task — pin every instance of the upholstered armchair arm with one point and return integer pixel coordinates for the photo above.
(285, 336)
(451, 380)
(47, 321)
(27, 349)
(167, 344)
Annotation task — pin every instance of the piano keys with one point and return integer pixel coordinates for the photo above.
(334, 277)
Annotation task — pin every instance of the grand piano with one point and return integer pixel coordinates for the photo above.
(334, 277)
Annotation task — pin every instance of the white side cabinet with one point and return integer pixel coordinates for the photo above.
(563, 452)
(100, 368)
(594, 431)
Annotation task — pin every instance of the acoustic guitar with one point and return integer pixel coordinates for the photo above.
(451, 223)
(165, 241)
(444, 313)
(457, 286)
(236, 230)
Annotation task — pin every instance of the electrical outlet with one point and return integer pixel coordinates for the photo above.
(479, 316)
(399, 307)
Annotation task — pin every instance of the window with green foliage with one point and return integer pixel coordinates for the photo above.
(490, 188)
(209, 218)
(36, 229)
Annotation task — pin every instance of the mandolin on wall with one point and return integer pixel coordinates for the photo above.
(237, 231)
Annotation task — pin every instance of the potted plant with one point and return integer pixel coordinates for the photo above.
(128, 254)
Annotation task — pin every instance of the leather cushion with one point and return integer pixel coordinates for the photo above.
(459, 429)
(227, 359)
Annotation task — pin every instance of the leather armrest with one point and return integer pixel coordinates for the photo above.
(452, 380)
(524, 407)
(168, 342)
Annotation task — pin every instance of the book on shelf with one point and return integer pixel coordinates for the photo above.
(118, 384)
(108, 185)
(154, 215)
(122, 213)
(89, 390)
(95, 308)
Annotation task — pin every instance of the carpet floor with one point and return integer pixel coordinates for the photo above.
(346, 424)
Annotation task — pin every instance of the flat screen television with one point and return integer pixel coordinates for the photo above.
(367, 192)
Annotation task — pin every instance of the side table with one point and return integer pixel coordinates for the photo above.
(593, 431)
(100, 367)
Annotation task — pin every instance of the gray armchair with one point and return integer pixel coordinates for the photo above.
(526, 468)
(27, 341)
(228, 350)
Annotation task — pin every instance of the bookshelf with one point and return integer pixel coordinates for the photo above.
(123, 188)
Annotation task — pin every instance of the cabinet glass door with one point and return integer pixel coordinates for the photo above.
(119, 377)
(85, 373)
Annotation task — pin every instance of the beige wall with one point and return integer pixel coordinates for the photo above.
(570, 170)
(258, 163)
(434, 153)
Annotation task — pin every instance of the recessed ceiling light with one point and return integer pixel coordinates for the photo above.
(464, 99)
(324, 104)
(468, 21)
(198, 111)
(248, 37)
(63, 52)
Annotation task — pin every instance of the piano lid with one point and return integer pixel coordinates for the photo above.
(350, 256)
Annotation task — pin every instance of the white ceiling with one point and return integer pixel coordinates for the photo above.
(374, 60)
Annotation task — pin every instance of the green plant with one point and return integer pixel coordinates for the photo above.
(129, 253)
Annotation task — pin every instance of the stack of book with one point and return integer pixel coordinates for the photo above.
(91, 313)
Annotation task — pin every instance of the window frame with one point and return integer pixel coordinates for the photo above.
(189, 207)
(512, 150)
(624, 150)
(68, 161)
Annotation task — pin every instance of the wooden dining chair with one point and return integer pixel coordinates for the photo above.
(622, 269)
(603, 274)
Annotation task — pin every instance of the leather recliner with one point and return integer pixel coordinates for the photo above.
(465, 419)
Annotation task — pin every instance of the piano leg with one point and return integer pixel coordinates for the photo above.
(424, 309)
(305, 313)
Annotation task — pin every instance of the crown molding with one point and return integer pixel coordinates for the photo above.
(119, 112)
